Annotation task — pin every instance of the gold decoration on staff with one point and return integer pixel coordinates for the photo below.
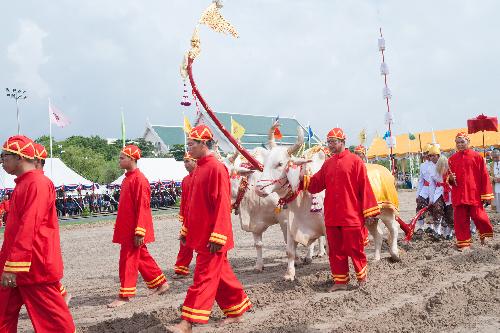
(212, 18)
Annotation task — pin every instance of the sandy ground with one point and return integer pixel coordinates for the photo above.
(433, 289)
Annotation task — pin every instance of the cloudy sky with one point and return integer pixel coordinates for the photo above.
(316, 60)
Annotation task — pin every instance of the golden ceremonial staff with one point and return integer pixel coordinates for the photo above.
(213, 19)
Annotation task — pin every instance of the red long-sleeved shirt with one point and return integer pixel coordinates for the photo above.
(134, 210)
(472, 179)
(349, 197)
(31, 248)
(209, 207)
(185, 185)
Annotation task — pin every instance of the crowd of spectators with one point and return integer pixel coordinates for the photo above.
(76, 204)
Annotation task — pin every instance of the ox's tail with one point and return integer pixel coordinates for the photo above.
(409, 229)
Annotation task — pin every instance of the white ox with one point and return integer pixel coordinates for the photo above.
(281, 176)
(255, 214)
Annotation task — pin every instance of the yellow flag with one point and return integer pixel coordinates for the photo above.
(236, 129)
(187, 125)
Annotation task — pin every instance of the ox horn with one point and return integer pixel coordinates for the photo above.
(270, 136)
(300, 141)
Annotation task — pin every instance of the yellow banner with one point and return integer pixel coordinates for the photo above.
(187, 125)
(236, 129)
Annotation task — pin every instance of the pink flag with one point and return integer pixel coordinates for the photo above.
(57, 117)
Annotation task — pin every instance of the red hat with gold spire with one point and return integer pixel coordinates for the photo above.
(132, 151)
(463, 135)
(201, 133)
(336, 133)
(40, 151)
(187, 156)
(20, 145)
(360, 149)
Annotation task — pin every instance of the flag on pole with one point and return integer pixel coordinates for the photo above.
(57, 117)
(187, 125)
(123, 130)
(236, 129)
(277, 132)
(310, 133)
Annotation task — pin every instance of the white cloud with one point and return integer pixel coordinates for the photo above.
(28, 55)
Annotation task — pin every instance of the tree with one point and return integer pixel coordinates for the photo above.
(177, 152)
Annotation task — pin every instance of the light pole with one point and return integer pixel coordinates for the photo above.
(17, 94)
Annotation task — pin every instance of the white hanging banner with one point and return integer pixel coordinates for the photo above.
(386, 93)
(381, 44)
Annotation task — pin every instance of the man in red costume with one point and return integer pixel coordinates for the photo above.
(470, 188)
(4, 210)
(185, 255)
(208, 231)
(30, 259)
(349, 200)
(134, 229)
(40, 157)
(361, 152)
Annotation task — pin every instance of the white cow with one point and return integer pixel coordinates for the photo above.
(281, 176)
(255, 214)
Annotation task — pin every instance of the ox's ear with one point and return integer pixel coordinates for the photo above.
(243, 171)
(299, 161)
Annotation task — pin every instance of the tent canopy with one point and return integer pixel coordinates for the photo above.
(159, 170)
(445, 138)
(56, 170)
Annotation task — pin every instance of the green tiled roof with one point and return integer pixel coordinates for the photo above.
(170, 135)
(257, 127)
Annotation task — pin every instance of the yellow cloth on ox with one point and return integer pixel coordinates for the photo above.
(384, 188)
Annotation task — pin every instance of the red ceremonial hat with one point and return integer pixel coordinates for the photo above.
(360, 149)
(463, 135)
(200, 132)
(336, 133)
(187, 156)
(20, 145)
(40, 151)
(132, 151)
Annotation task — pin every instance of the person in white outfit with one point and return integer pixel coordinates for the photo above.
(495, 177)
(423, 191)
(440, 197)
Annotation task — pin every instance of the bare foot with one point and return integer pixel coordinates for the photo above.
(118, 302)
(231, 320)
(464, 249)
(162, 289)
(338, 287)
(182, 327)
(362, 284)
(484, 242)
(67, 298)
(179, 276)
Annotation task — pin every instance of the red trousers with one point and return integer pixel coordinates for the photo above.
(345, 242)
(183, 260)
(45, 305)
(461, 218)
(134, 260)
(366, 239)
(62, 289)
(214, 280)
